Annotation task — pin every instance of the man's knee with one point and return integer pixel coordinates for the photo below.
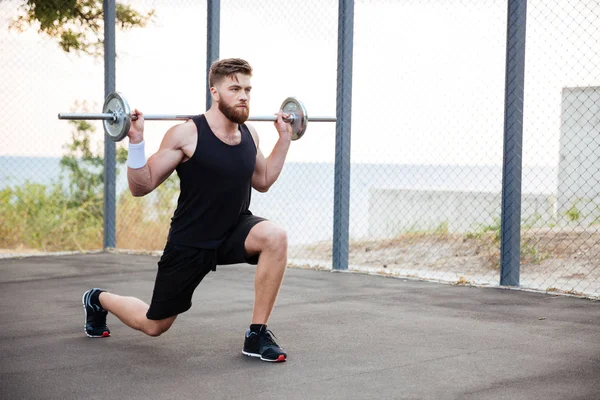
(157, 328)
(266, 236)
(274, 237)
(155, 331)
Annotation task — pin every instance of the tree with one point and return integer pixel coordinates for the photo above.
(77, 25)
(58, 217)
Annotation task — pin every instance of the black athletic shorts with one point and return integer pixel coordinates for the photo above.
(182, 268)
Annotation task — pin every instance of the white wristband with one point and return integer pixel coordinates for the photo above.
(136, 157)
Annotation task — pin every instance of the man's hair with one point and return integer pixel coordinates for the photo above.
(227, 68)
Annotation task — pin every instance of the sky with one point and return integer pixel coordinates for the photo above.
(428, 76)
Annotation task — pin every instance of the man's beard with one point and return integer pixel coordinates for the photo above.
(235, 114)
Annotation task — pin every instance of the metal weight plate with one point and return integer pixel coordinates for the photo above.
(116, 103)
(292, 105)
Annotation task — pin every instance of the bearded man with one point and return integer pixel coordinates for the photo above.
(218, 160)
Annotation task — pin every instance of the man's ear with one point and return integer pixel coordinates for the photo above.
(214, 93)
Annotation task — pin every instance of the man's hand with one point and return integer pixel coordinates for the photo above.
(284, 128)
(136, 130)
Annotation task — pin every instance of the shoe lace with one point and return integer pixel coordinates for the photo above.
(268, 337)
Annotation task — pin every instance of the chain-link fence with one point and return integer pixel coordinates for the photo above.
(416, 190)
(427, 138)
(560, 243)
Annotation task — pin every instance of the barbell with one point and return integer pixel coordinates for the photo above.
(116, 116)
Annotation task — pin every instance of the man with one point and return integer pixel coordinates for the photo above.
(218, 160)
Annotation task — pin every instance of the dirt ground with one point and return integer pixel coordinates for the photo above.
(551, 260)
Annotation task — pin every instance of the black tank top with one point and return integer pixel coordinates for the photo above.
(216, 185)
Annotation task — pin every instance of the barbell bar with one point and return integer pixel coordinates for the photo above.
(116, 116)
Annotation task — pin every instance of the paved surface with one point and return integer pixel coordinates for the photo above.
(348, 336)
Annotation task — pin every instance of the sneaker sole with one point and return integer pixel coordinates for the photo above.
(279, 359)
(104, 334)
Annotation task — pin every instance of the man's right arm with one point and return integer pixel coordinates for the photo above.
(142, 180)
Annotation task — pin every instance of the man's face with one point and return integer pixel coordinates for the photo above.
(234, 97)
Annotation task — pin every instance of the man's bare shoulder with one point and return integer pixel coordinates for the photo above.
(181, 135)
(253, 132)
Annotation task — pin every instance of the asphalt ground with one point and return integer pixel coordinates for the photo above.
(347, 335)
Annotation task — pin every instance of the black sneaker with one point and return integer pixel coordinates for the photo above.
(95, 316)
(261, 344)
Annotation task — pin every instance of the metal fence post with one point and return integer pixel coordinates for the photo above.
(510, 235)
(341, 207)
(213, 30)
(110, 152)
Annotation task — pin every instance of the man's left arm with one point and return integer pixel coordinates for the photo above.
(267, 170)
